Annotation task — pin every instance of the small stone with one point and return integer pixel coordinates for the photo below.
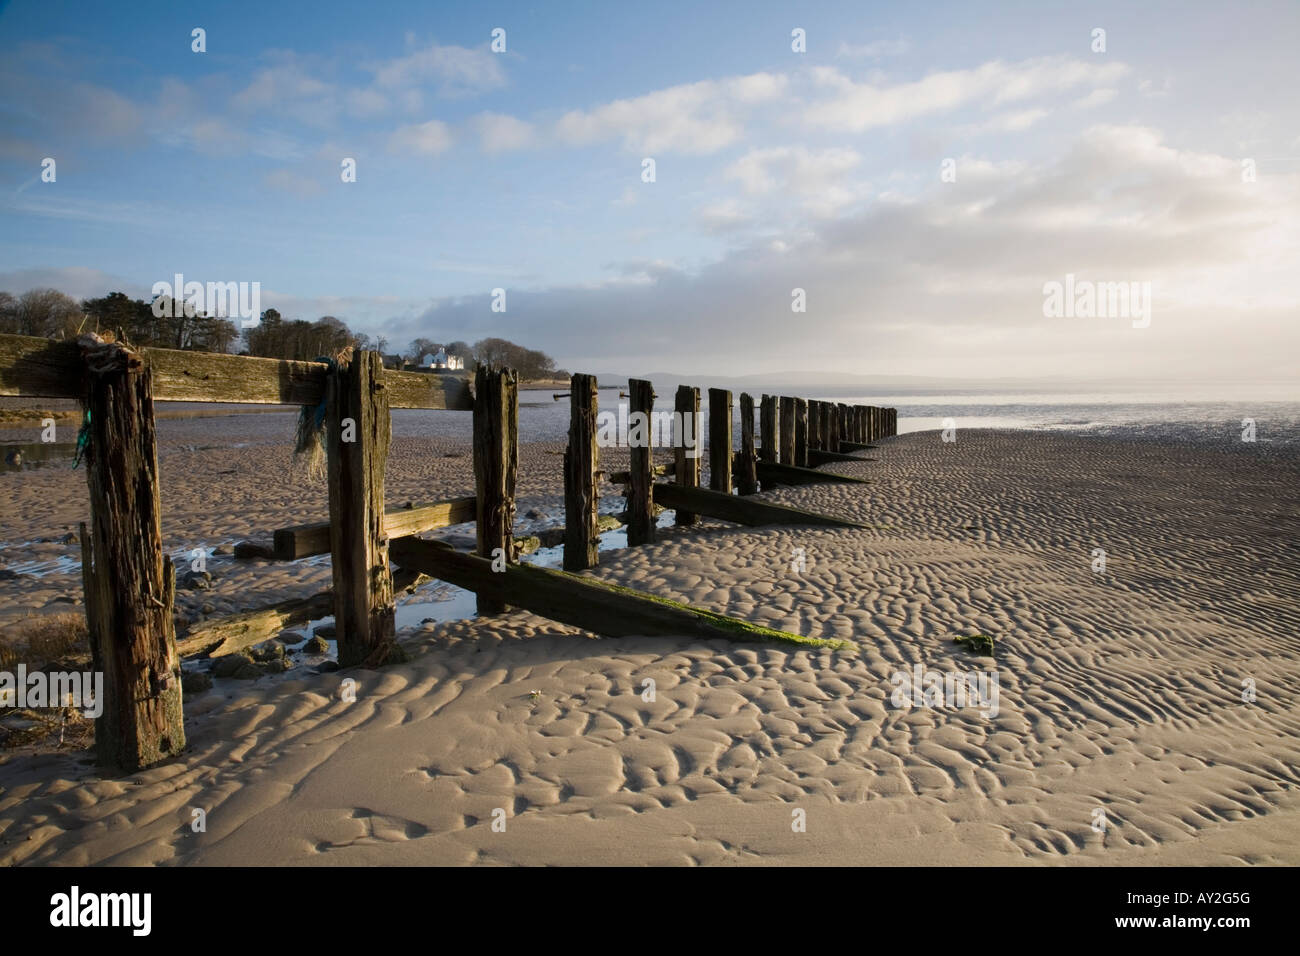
(537, 514)
(239, 666)
(196, 580)
(222, 552)
(608, 522)
(195, 682)
(324, 630)
(268, 651)
(316, 645)
(277, 666)
(292, 637)
(327, 667)
(208, 608)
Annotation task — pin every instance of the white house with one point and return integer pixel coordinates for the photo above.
(442, 361)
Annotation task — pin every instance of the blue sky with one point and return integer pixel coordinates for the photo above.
(775, 170)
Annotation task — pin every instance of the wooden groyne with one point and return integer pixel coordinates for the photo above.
(130, 584)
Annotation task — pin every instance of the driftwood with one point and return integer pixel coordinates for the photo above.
(226, 635)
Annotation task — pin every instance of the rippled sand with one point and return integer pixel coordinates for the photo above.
(1118, 692)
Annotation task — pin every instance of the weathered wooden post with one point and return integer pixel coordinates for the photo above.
(131, 584)
(767, 414)
(801, 433)
(720, 440)
(814, 425)
(496, 467)
(746, 472)
(687, 405)
(581, 461)
(871, 423)
(833, 426)
(357, 434)
(640, 489)
(860, 423)
(846, 426)
(786, 454)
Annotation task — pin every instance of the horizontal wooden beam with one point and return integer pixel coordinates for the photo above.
(582, 601)
(226, 635)
(794, 475)
(305, 540)
(46, 368)
(817, 457)
(745, 510)
(657, 471)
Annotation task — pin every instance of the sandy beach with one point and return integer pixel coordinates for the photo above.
(1120, 694)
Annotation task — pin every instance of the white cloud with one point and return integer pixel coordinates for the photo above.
(425, 139)
(499, 133)
(451, 70)
(697, 118)
(861, 106)
(1098, 97)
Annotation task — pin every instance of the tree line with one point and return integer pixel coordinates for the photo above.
(49, 313)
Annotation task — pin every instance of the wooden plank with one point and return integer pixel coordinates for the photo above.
(640, 503)
(357, 434)
(746, 475)
(747, 510)
(585, 602)
(767, 423)
(687, 405)
(785, 431)
(306, 540)
(45, 368)
(769, 474)
(656, 471)
(814, 425)
(581, 462)
(720, 440)
(496, 467)
(130, 583)
(226, 635)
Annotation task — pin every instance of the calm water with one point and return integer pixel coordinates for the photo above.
(1276, 417)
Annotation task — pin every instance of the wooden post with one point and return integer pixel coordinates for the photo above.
(357, 434)
(496, 467)
(767, 428)
(746, 476)
(786, 454)
(814, 425)
(871, 424)
(131, 584)
(640, 492)
(801, 433)
(833, 425)
(720, 440)
(860, 423)
(687, 405)
(581, 460)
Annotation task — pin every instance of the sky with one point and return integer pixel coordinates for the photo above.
(922, 172)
